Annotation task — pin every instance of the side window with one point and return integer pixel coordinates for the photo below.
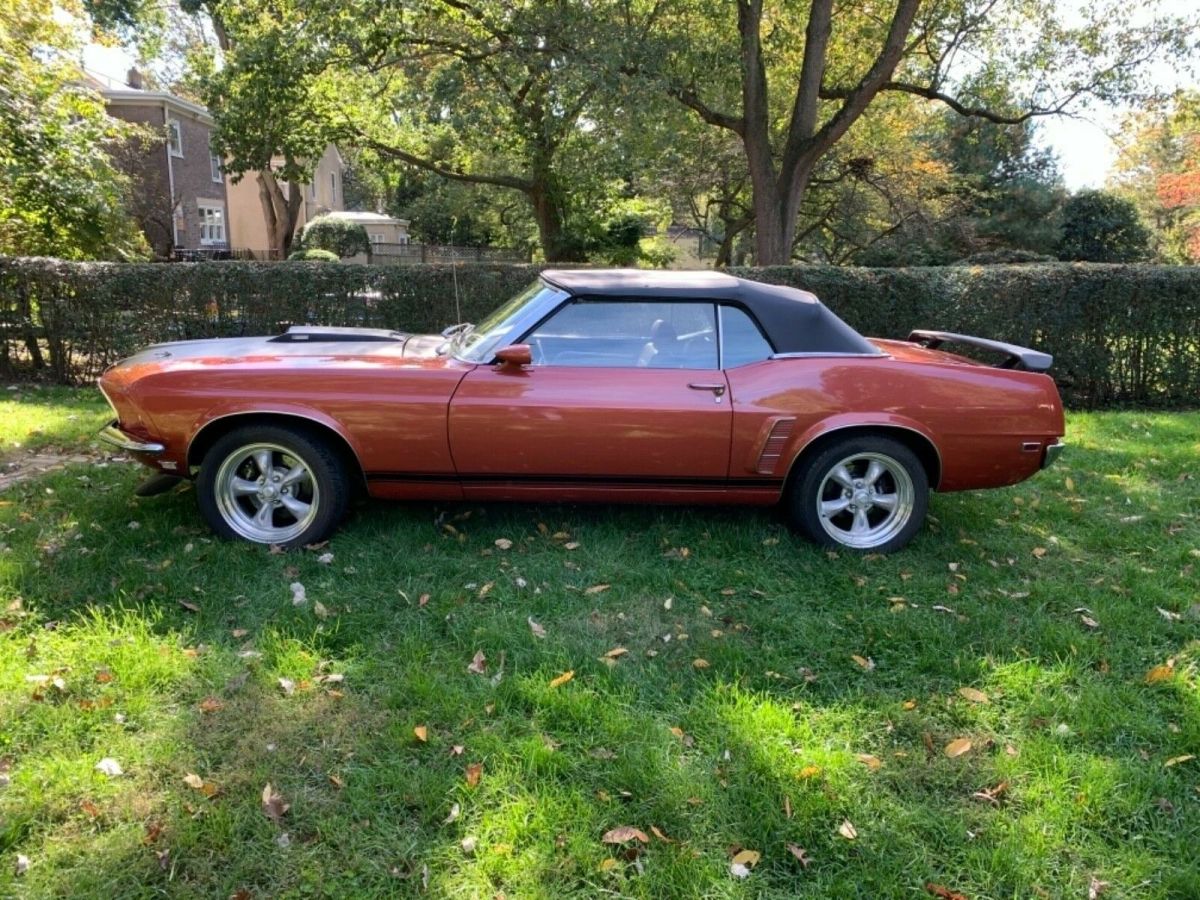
(741, 341)
(628, 333)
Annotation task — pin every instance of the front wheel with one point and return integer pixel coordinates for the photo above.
(861, 493)
(272, 484)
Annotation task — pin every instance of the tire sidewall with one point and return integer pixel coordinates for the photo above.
(326, 468)
(802, 499)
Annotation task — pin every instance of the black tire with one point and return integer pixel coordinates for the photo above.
(325, 485)
(888, 525)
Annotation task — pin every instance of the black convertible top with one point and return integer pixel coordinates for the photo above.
(794, 321)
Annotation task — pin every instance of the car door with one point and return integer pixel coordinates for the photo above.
(621, 394)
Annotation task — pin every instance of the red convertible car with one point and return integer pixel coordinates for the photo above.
(620, 385)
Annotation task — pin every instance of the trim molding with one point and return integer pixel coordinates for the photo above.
(573, 480)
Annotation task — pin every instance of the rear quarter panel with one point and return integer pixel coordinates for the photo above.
(977, 417)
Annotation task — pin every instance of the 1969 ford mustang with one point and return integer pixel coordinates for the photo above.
(620, 385)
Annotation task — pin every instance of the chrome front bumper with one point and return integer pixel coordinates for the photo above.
(112, 435)
(1053, 452)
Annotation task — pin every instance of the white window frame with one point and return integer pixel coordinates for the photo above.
(333, 187)
(376, 237)
(214, 161)
(213, 228)
(175, 130)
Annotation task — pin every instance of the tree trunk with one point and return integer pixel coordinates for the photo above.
(547, 213)
(280, 211)
(776, 210)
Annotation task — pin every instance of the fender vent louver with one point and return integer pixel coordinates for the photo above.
(320, 334)
(773, 446)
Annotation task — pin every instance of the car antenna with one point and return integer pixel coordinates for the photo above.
(454, 271)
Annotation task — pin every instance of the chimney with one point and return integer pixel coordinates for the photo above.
(133, 78)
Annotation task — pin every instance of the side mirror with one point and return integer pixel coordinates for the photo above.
(515, 355)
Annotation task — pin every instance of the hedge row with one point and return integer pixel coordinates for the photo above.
(1121, 335)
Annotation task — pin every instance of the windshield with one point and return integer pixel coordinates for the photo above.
(477, 343)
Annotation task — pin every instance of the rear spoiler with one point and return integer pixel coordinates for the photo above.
(1015, 357)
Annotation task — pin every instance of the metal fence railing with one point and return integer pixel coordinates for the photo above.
(416, 254)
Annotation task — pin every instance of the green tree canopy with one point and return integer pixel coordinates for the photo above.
(1102, 227)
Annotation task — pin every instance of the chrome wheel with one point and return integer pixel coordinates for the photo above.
(267, 493)
(865, 500)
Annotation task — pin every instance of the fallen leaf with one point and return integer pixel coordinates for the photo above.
(748, 858)
(468, 844)
(1176, 760)
(957, 747)
(623, 834)
(455, 810)
(336, 780)
(615, 652)
(668, 603)
(993, 794)
(90, 808)
(809, 772)
(1069, 483)
(1160, 673)
(737, 870)
(325, 559)
(606, 865)
(474, 773)
(110, 767)
(847, 830)
(457, 750)
(1089, 621)
(274, 807)
(538, 630)
(320, 611)
(238, 633)
(597, 588)
(939, 890)
(211, 705)
(103, 676)
(189, 606)
(700, 663)
(22, 865)
(478, 664)
(865, 662)
(909, 704)
(299, 597)
(975, 696)
(801, 854)
(563, 678)
(874, 763)
(654, 829)
(287, 686)
(193, 780)
(503, 543)
(571, 545)
(422, 733)
(1096, 887)
(1168, 615)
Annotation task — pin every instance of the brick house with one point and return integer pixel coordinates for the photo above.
(181, 200)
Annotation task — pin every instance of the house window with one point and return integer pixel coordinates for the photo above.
(174, 137)
(212, 224)
(376, 237)
(215, 163)
(333, 187)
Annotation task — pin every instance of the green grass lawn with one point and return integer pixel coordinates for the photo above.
(736, 719)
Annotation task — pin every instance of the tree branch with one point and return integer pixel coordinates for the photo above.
(958, 106)
(689, 98)
(524, 185)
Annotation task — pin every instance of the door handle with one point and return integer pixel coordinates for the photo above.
(718, 389)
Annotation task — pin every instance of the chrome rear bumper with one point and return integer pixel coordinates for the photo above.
(1053, 452)
(112, 435)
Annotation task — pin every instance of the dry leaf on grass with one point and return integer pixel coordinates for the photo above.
(287, 686)
(847, 830)
(808, 772)
(1176, 760)
(211, 705)
(538, 630)
(623, 834)
(193, 781)
(654, 829)
(865, 662)
(474, 773)
(874, 763)
(1160, 673)
(274, 807)
(801, 854)
(455, 810)
(503, 543)
(615, 652)
(957, 747)
(299, 597)
(562, 679)
(700, 663)
(422, 733)
(975, 696)
(478, 664)
(943, 892)
(748, 858)
(597, 589)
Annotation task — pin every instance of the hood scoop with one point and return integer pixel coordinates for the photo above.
(322, 334)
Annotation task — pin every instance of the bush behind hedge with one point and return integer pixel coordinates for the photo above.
(1120, 334)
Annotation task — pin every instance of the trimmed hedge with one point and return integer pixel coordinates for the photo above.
(1120, 334)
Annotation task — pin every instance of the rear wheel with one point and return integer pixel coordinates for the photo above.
(861, 493)
(272, 484)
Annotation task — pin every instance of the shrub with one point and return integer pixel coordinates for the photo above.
(339, 236)
(1102, 227)
(312, 256)
(1119, 334)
